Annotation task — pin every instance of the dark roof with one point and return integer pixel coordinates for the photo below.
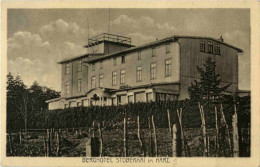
(165, 40)
(52, 100)
(151, 44)
(79, 57)
(158, 42)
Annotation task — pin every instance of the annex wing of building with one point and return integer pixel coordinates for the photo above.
(115, 72)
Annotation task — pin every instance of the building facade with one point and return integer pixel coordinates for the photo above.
(114, 72)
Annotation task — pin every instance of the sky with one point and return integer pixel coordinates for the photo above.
(39, 38)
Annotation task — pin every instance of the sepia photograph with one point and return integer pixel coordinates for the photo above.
(128, 83)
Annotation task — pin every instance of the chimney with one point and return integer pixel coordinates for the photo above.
(221, 39)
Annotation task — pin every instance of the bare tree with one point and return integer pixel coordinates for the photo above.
(23, 106)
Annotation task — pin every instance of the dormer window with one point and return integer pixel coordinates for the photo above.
(153, 52)
(67, 68)
(79, 65)
(168, 48)
(217, 49)
(139, 55)
(123, 59)
(202, 46)
(210, 47)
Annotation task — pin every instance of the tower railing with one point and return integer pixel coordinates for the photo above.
(109, 37)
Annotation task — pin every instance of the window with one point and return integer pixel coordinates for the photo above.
(153, 52)
(101, 64)
(79, 85)
(202, 46)
(149, 97)
(130, 99)
(114, 61)
(79, 65)
(93, 82)
(101, 80)
(139, 74)
(123, 59)
(210, 47)
(67, 68)
(122, 77)
(93, 67)
(217, 50)
(139, 55)
(119, 100)
(168, 67)
(67, 89)
(167, 48)
(79, 104)
(66, 105)
(114, 75)
(153, 71)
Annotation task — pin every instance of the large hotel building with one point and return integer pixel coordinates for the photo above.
(115, 72)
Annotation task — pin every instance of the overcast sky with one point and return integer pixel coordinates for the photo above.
(39, 38)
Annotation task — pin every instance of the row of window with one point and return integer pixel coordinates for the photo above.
(153, 69)
(139, 57)
(210, 47)
(124, 99)
(67, 87)
(67, 67)
(139, 69)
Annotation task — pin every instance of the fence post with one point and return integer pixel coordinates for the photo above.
(58, 144)
(227, 129)
(215, 145)
(125, 137)
(235, 134)
(10, 143)
(20, 136)
(217, 131)
(150, 138)
(101, 140)
(169, 121)
(154, 137)
(174, 140)
(179, 114)
(93, 129)
(88, 147)
(208, 146)
(139, 135)
(203, 127)
(45, 146)
(49, 142)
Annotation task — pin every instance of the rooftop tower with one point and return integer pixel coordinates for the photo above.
(108, 43)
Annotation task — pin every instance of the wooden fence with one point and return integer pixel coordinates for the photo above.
(223, 136)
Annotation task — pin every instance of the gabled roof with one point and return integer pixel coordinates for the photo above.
(151, 44)
(79, 57)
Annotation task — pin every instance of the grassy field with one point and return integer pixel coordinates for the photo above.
(74, 145)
